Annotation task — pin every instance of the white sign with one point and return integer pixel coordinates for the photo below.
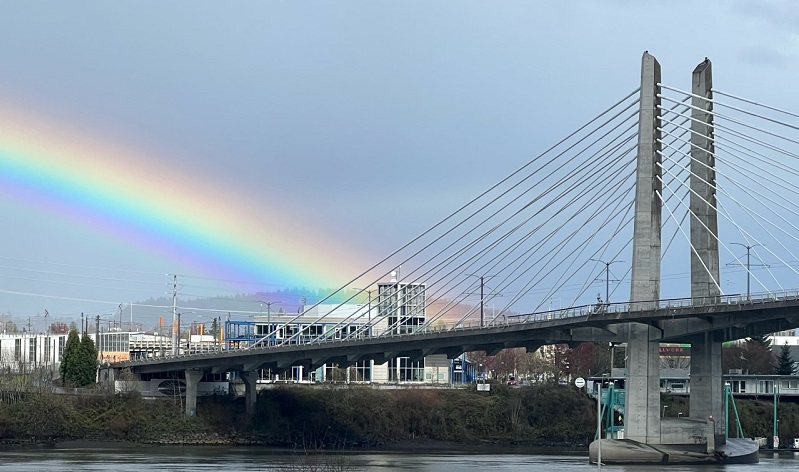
(483, 387)
(776, 442)
(579, 382)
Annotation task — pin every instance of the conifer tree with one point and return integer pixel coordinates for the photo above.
(69, 360)
(785, 362)
(87, 362)
(764, 341)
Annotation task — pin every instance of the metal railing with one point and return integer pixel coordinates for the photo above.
(586, 311)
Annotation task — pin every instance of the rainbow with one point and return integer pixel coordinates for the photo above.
(137, 198)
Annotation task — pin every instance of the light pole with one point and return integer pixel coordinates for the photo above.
(607, 277)
(268, 316)
(482, 298)
(369, 306)
(176, 347)
(98, 344)
(664, 410)
(748, 272)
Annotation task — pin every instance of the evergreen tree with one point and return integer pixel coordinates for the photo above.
(785, 363)
(764, 341)
(215, 329)
(87, 362)
(69, 360)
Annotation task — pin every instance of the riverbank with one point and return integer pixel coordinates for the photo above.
(548, 416)
(355, 417)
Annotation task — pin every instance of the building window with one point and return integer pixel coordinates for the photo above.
(61, 342)
(401, 369)
(17, 350)
(361, 371)
(47, 349)
(32, 350)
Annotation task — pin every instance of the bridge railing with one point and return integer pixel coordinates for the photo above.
(559, 314)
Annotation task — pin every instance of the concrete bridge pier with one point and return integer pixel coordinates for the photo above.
(642, 404)
(193, 377)
(648, 437)
(706, 371)
(707, 394)
(250, 392)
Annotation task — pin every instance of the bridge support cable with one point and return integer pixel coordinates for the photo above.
(482, 253)
(448, 220)
(507, 220)
(753, 127)
(687, 237)
(752, 102)
(751, 192)
(756, 156)
(670, 241)
(701, 222)
(547, 296)
(554, 252)
(754, 193)
(506, 235)
(495, 265)
(732, 221)
(741, 110)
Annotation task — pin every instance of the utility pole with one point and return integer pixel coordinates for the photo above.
(482, 295)
(482, 304)
(368, 307)
(97, 336)
(607, 277)
(748, 272)
(174, 314)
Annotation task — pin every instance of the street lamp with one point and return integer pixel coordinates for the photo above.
(607, 276)
(664, 410)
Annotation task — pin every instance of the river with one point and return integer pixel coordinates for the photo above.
(161, 459)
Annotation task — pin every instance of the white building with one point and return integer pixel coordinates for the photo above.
(26, 352)
(399, 308)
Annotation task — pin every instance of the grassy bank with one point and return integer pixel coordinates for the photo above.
(310, 417)
(297, 416)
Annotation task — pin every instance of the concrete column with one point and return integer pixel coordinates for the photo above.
(193, 377)
(707, 391)
(642, 404)
(704, 220)
(707, 388)
(250, 391)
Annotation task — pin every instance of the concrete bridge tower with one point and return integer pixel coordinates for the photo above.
(706, 373)
(642, 403)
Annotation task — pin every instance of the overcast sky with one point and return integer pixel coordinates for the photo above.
(348, 126)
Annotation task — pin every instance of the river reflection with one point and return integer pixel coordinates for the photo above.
(146, 459)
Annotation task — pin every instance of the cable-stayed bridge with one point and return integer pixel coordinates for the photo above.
(694, 183)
